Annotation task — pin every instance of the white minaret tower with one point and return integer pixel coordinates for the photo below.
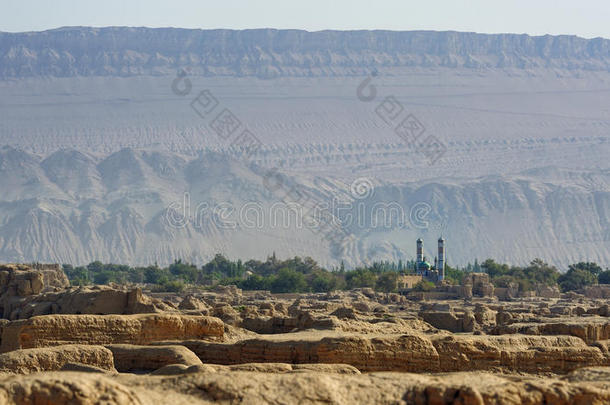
(441, 258)
(420, 251)
(419, 256)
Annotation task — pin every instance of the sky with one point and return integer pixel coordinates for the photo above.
(585, 18)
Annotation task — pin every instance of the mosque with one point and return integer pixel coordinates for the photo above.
(436, 272)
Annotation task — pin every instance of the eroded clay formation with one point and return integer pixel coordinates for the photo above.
(110, 344)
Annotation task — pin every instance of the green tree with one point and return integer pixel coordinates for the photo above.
(604, 277)
(184, 271)
(103, 277)
(591, 267)
(156, 275)
(136, 275)
(288, 280)
(77, 275)
(387, 282)
(494, 269)
(95, 267)
(255, 282)
(576, 279)
(324, 281)
(453, 275)
(360, 278)
(476, 267)
(540, 272)
(220, 267)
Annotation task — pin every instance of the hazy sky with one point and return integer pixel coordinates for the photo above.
(587, 18)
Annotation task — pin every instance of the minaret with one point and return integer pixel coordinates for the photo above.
(441, 258)
(420, 251)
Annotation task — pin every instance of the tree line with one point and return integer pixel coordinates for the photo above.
(526, 278)
(306, 275)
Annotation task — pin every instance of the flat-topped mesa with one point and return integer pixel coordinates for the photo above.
(269, 53)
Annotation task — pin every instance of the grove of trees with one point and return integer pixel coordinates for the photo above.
(577, 276)
(305, 275)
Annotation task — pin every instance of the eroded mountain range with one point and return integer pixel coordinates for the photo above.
(101, 147)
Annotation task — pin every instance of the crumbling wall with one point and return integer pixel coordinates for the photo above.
(21, 280)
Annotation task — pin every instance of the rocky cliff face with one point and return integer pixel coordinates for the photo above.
(82, 51)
